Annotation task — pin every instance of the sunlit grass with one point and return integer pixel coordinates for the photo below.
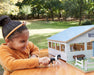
(51, 24)
(40, 40)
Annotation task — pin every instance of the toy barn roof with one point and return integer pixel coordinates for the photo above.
(71, 33)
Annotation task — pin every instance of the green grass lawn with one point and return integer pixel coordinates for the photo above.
(51, 24)
(41, 39)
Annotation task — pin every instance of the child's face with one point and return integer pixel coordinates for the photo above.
(20, 41)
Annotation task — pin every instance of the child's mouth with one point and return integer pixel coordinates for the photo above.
(23, 48)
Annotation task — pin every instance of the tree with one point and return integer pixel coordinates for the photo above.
(36, 7)
(7, 7)
(25, 10)
(91, 9)
(75, 8)
(52, 7)
(59, 8)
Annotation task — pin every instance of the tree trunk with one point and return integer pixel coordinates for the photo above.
(47, 18)
(52, 16)
(59, 16)
(32, 15)
(25, 17)
(80, 21)
(42, 15)
(38, 15)
(80, 15)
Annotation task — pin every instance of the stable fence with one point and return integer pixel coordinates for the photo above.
(88, 65)
(79, 63)
(85, 65)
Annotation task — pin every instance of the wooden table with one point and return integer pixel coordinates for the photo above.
(60, 69)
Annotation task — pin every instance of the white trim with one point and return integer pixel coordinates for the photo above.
(85, 43)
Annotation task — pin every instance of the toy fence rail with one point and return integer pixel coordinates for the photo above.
(89, 65)
(79, 63)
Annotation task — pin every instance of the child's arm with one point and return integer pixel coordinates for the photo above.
(34, 50)
(10, 63)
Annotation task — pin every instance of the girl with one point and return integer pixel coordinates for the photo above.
(18, 53)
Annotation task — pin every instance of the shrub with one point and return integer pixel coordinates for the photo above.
(87, 22)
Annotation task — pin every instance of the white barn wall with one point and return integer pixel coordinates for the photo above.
(81, 39)
(56, 52)
(87, 54)
(67, 55)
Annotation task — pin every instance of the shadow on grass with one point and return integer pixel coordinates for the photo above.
(51, 24)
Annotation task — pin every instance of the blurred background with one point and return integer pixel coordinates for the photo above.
(47, 17)
(59, 10)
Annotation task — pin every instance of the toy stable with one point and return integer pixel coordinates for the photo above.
(72, 41)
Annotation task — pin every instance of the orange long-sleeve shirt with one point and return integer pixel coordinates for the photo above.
(12, 60)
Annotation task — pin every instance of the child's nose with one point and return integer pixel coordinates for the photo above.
(26, 44)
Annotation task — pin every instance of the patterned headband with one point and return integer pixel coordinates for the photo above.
(15, 29)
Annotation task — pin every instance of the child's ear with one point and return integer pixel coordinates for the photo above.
(7, 41)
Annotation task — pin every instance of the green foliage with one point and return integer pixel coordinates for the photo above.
(26, 9)
(15, 1)
(13, 10)
(3, 9)
(49, 8)
(74, 7)
(7, 7)
(91, 7)
(87, 22)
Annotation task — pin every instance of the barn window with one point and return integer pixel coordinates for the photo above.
(62, 47)
(76, 47)
(71, 47)
(89, 45)
(49, 44)
(57, 46)
(53, 45)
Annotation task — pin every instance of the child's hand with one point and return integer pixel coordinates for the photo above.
(33, 56)
(44, 60)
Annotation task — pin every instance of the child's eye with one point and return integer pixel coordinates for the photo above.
(22, 41)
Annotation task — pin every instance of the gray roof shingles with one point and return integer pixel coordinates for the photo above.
(70, 33)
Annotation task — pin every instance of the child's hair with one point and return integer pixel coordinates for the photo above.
(8, 25)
